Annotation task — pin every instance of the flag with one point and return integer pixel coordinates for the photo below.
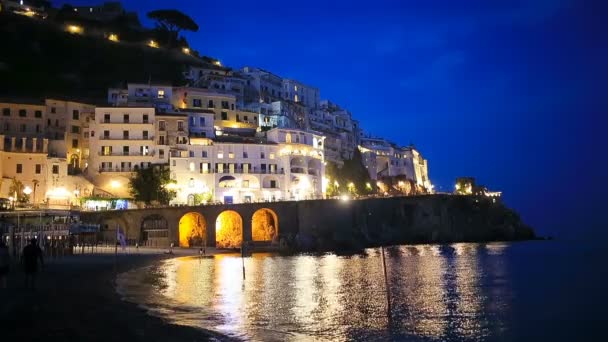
(121, 238)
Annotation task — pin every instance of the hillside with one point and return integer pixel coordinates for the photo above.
(40, 59)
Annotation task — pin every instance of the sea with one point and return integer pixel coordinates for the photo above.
(522, 291)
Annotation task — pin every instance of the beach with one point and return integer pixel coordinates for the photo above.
(75, 300)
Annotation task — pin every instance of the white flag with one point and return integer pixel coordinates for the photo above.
(120, 237)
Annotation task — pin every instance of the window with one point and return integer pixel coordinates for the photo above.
(161, 153)
(106, 118)
(75, 129)
(204, 154)
(53, 110)
(161, 93)
(6, 111)
(238, 118)
(22, 112)
(262, 155)
(74, 143)
(197, 103)
(125, 135)
(232, 106)
(106, 150)
(19, 168)
(271, 156)
(210, 104)
(38, 169)
(125, 118)
(145, 118)
(245, 155)
(201, 121)
(225, 104)
(144, 150)
(145, 135)
(180, 126)
(273, 184)
(220, 155)
(38, 114)
(231, 155)
(192, 121)
(162, 125)
(125, 150)
(56, 123)
(245, 118)
(161, 140)
(55, 169)
(224, 115)
(75, 115)
(191, 154)
(245, 184)
(106, 134)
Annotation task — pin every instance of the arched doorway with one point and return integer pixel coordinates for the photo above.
(154, 231)
(264, 225)
(192, 230)
(228, 230)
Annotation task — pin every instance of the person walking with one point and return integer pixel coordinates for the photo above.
(4, 264)
(29, 258)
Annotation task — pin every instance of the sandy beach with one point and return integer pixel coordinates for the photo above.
(75, 300)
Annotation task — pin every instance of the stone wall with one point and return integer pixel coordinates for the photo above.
(345, 225)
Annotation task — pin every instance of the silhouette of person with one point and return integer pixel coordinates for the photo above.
(4, 264)
(29, 258)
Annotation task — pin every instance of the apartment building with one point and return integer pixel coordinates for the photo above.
(287, 165)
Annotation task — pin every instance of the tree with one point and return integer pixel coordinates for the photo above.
(351, 178)
(16, 189)
(152, 184)
(171, 22)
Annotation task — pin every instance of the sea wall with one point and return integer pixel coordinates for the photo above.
(335, 225)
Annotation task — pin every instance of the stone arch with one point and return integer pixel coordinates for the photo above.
(192, 230)
(228, 230)
(264, 225)
(154, 231)
(314, 167)
(297, 165)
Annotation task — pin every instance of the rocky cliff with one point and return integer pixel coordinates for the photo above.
(351, 225)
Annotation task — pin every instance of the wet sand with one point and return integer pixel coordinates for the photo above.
(76, 300)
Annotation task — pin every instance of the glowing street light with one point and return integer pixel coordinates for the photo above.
(27, 190)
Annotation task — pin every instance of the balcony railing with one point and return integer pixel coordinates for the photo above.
(130, 154)
(243, 171)
(126, 138)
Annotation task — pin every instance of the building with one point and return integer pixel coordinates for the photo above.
(401, 167)
(122, 140)
(287, 165)
(298, 92)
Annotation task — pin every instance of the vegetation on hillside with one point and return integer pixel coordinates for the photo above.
(352, 178)
(40, 59)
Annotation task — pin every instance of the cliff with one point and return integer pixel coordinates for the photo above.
(352, 225)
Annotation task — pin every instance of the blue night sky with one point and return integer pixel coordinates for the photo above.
(511, 92)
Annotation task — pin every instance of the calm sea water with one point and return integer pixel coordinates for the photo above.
(531, 291)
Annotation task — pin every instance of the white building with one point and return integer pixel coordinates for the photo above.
(122, 139)
(298, 92)
(288, 165)
(387, 162)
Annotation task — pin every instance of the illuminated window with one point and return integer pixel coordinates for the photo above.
(230, 155)
(271, 156)
(161, 93)
(220, 155)
(245, 184)
(191, 169)
(295, 98)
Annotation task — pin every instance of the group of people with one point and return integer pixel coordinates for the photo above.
(30, 257)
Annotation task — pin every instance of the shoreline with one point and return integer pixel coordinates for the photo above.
(76, 300)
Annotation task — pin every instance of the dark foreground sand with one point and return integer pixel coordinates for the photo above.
(75, 300)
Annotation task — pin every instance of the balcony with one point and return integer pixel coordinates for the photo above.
(127, 138)
(129, 154)
(254, 171)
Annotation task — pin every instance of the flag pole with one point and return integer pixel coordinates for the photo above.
(386, 286)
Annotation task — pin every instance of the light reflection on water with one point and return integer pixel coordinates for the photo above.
(438, 293)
